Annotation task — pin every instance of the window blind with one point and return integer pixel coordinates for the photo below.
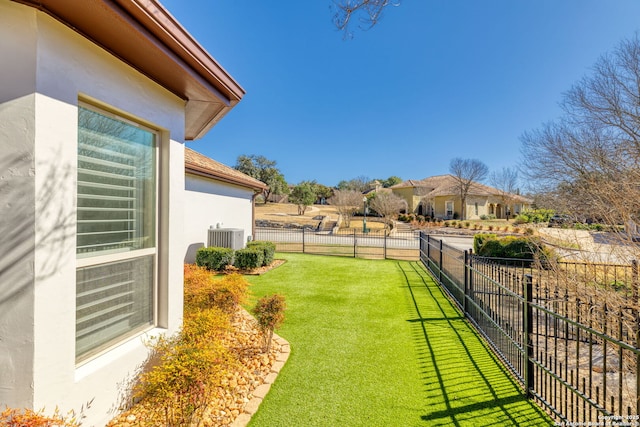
(116, 210)
(112, 301)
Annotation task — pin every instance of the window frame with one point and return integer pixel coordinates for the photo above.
(446, 208)
(83, 260)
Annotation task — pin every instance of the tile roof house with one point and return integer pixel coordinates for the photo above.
(217, 196)
(97, 98)
(438, 197)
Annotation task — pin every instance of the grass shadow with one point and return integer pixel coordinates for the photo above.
(465, 383)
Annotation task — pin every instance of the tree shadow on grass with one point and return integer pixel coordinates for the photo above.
(466, 385)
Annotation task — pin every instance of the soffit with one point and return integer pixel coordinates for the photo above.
(143, 34)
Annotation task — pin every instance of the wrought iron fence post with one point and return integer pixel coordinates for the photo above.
(467, 276)
(428, 246)
(527, 326)
(303, 229)
(384, 251)
(355, 243)
(440, 264)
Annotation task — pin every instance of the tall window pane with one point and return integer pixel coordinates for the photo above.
(116, 231)
(116, 185)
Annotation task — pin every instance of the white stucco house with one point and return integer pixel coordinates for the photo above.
(97, 98)
(217, 197)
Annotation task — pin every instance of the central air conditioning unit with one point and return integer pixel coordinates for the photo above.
(226, 238)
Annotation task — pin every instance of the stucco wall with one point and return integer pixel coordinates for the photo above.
(52, 67)
(17, 202)
(214, 203)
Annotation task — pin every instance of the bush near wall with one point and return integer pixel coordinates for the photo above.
(269, 249)
(201, 292)
(214, 258)
(248, 258)
(180, 382)
(217, 258)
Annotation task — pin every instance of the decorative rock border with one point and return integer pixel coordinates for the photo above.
(261, 391)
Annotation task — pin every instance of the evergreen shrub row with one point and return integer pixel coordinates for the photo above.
(512, 247)
(256, 254)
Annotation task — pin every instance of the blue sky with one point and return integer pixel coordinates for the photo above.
(434, 80)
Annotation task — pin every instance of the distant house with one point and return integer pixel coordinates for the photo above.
(97, 98)
(438, 197)
(217, 196)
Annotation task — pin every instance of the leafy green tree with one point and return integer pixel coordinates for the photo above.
(391, 181)
(304, 195)
(265, 170)
(323, 192)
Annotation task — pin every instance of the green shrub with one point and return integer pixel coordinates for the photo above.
(214, 258)
(249, 258)
(534, 216)
(511, 247)
(480, 239)
(268, 248)
(269, 312)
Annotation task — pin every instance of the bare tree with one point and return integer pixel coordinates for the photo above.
(368, 13)
(360, 183)
(590, 157)
(506, 182)
(347, 202)
(387, 205)
(466, 172)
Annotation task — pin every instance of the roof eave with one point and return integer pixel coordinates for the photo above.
(143, 34)
(208, 173)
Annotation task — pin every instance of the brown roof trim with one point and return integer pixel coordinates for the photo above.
(199, 164)
(143, 34)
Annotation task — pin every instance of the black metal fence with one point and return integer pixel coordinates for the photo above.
(375, 244)
(568, 331)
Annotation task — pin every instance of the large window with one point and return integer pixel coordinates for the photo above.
(116, 230)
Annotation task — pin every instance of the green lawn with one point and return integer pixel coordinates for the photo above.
(376, 343)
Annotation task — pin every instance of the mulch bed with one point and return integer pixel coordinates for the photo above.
(254, 271)
(235, 390)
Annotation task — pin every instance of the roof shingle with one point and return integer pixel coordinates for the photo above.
(202, 165)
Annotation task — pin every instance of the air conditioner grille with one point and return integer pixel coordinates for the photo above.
(226, 238)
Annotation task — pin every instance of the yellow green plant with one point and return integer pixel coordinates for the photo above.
(187, 368)
(202, 291)
(12, 417)
(269, 312)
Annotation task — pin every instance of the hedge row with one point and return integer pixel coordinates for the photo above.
(256, 254)
(511, 247)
